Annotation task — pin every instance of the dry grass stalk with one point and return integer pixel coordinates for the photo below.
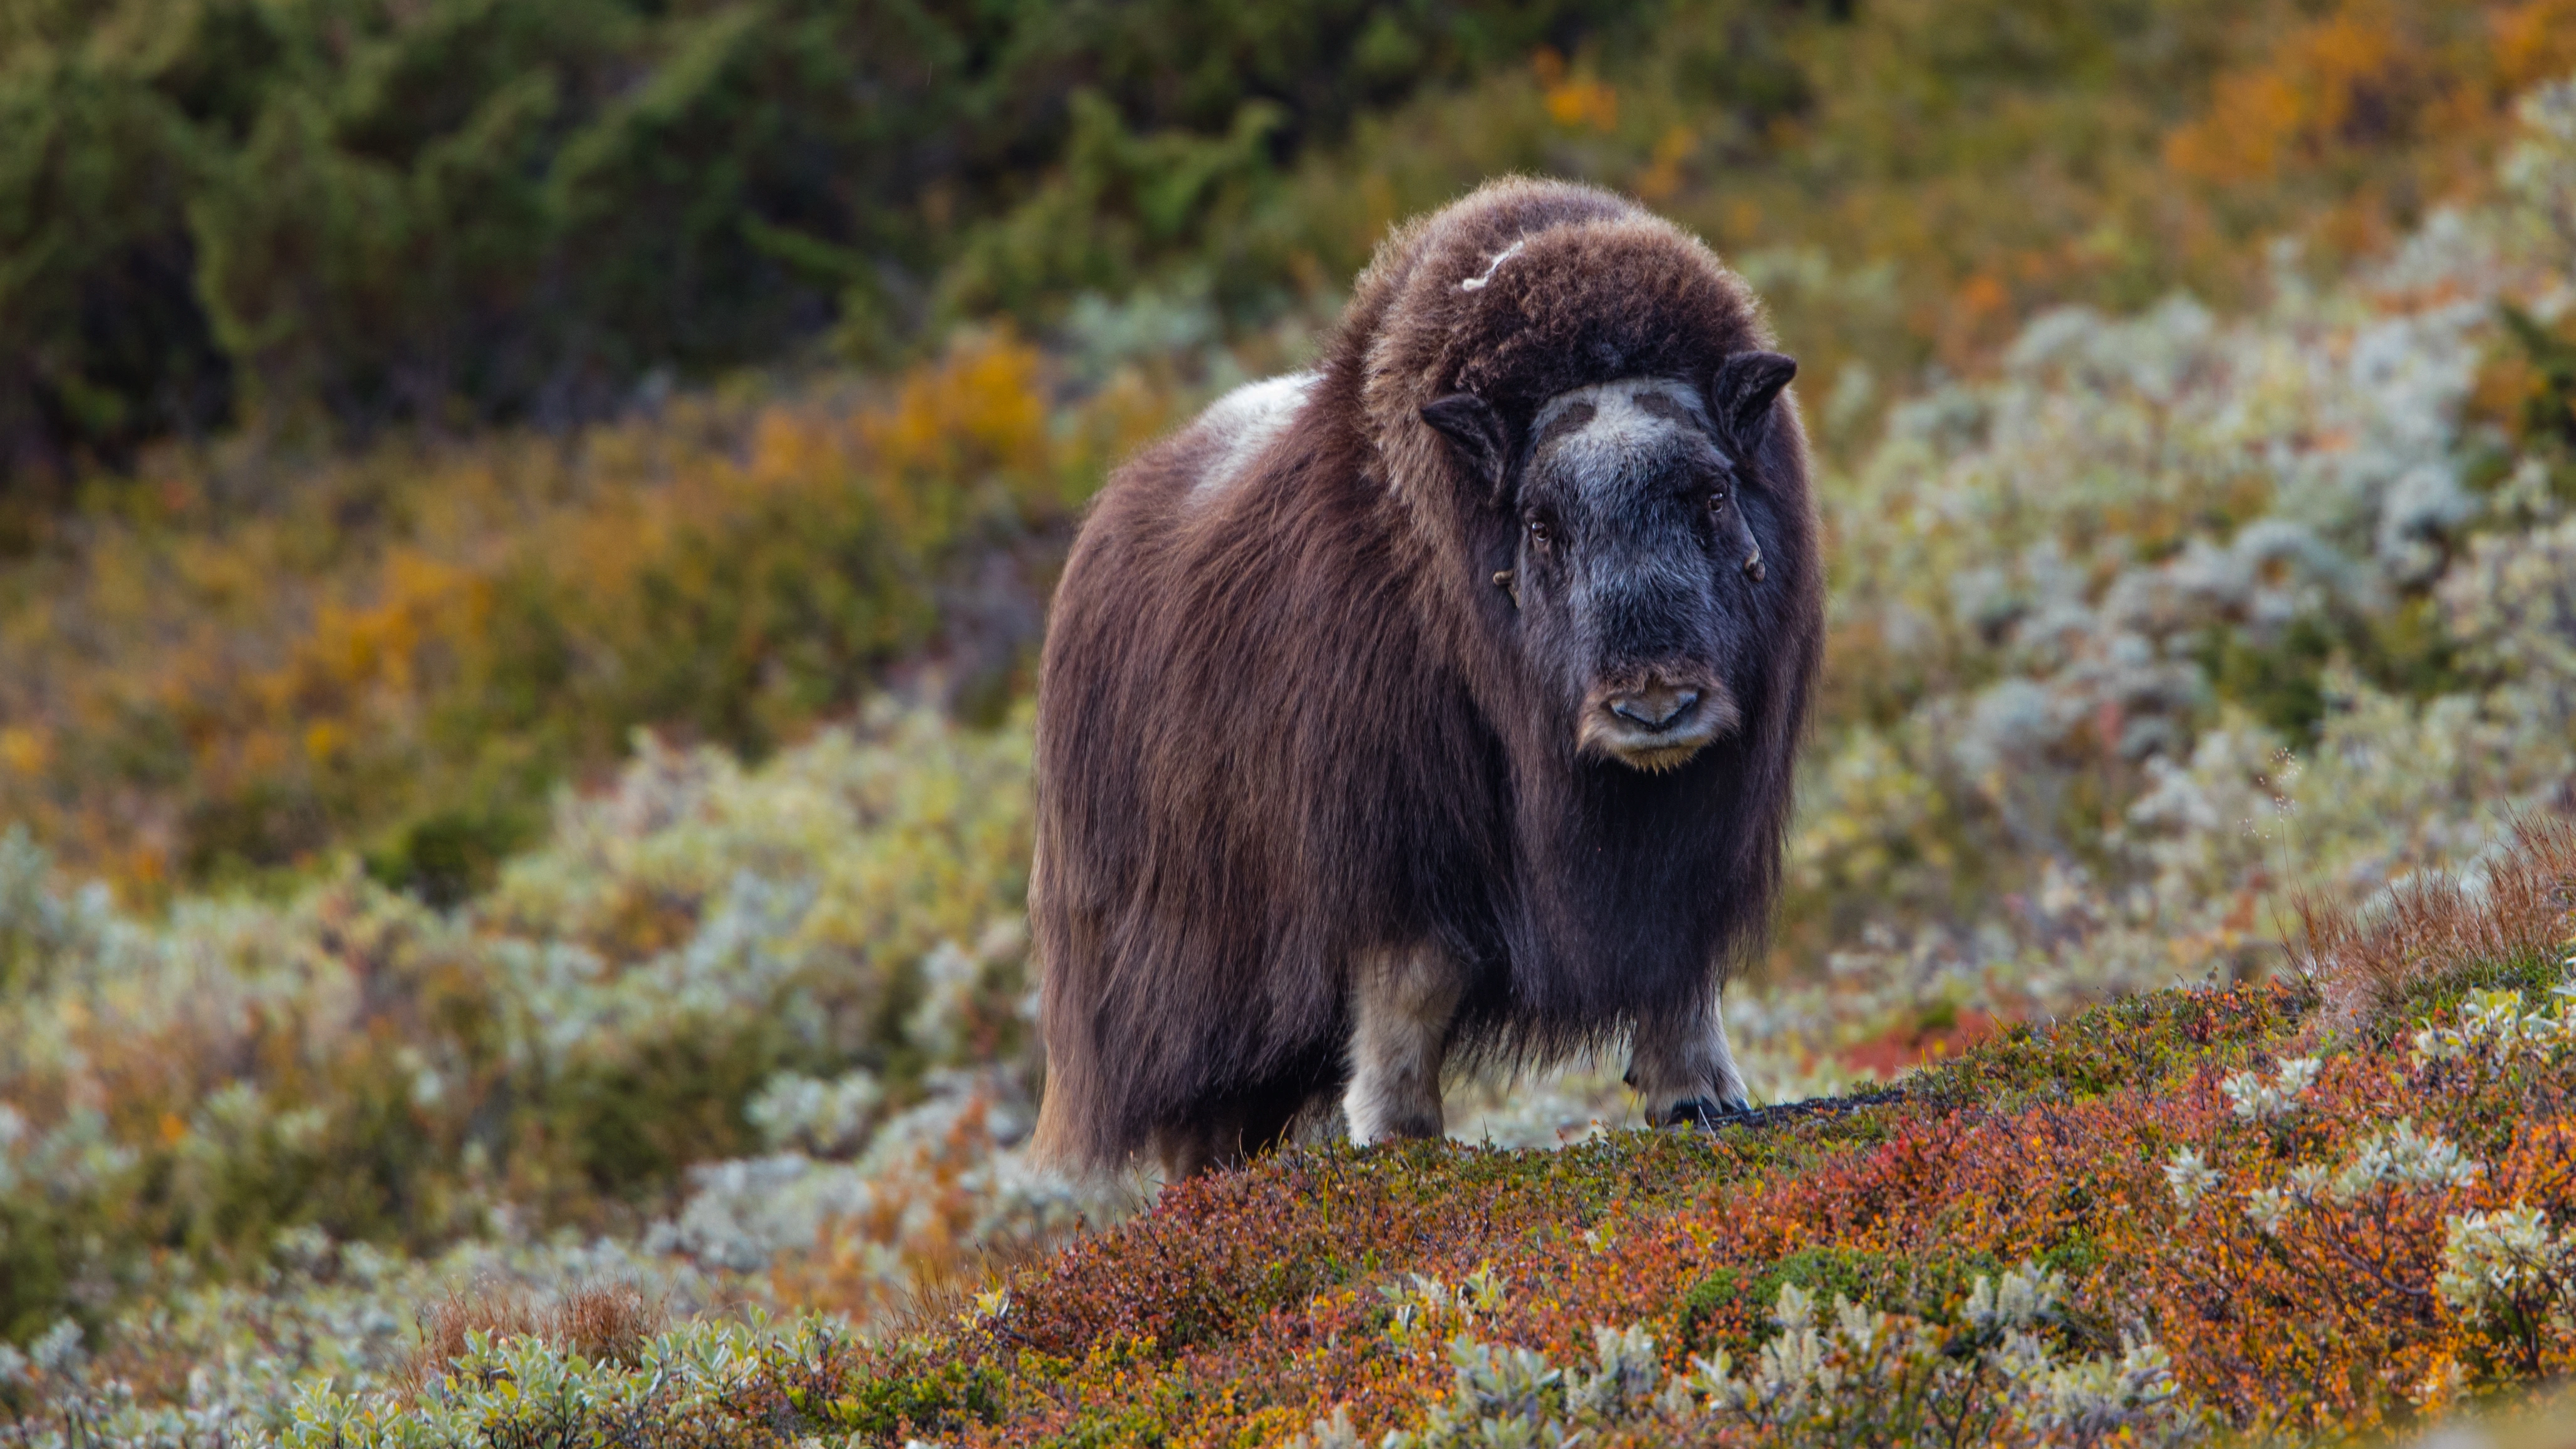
(604, 1323)
(2365, 961)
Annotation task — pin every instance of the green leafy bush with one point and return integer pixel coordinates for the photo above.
(359, 212)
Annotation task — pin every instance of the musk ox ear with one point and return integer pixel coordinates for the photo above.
(1476, 430)
(1741, 394)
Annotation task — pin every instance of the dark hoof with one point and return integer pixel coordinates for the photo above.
(1701, 1112)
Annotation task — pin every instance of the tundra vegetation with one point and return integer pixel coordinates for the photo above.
(518, 937)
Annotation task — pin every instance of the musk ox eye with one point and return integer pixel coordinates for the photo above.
(1540, 533)
(1717, 500)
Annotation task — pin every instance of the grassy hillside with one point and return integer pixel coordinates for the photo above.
(525, 926)
(2176, 619)
(2296, 1209)
(2287, 1208)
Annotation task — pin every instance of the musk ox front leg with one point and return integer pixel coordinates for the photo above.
(1402, 1004)
(1684, 1069)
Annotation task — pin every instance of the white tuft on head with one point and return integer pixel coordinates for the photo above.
(1477, 282)
(1243, 422)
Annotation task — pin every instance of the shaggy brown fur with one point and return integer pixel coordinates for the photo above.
(1289, 726)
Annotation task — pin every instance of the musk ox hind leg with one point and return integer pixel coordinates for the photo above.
(1228, 1132)
(1212, 1142)
(1402, 1004)
(1684, 1069)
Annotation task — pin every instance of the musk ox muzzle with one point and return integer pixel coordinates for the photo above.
(1658, 721)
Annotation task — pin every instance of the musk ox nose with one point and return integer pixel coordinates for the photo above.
(1655, 708)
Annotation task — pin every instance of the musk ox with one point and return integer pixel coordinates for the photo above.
(1436, 703)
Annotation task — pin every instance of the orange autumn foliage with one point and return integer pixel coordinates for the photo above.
(437, 631)
(1247, 1306)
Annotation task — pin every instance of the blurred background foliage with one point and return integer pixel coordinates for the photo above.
(406, 655)
(334, 215)
(347, 213)
(804, 325)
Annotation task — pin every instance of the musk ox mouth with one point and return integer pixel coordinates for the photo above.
(1657, 726)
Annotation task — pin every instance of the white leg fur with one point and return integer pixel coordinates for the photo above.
(1402, 1002)
(1684, 1059)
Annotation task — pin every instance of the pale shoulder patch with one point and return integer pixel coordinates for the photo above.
(1243, 422)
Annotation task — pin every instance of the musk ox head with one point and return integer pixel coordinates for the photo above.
(1577, 400)
(1639, 506)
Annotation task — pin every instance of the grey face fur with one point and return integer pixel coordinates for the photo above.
(1636, 562)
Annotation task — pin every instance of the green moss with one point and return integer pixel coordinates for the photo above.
(932, 1400)
(2075, 1256)
(2549, 407)
(2438, 995)
(2139, 1042)
(236, 838)
(448, 856)
(636, 1122)
(1142, 1427)
(1734, 1303)
(2404, 649)
(2282, 681)
(39, 1257)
